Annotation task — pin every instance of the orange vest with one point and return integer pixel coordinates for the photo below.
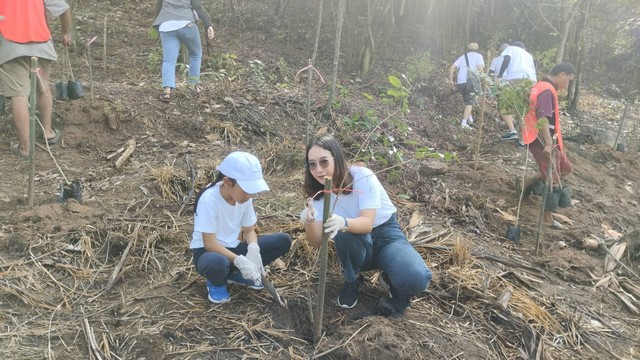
(24, 21)
(530, 132)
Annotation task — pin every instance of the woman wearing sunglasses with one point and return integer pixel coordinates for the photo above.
(363, 226)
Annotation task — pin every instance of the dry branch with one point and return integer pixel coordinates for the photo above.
(130, 147)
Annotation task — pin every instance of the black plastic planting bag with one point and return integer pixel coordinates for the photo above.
(74, 88)
(62, 92)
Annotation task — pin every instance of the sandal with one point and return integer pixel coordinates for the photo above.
(16, 149)
(196, 89)
(557, 225)
(166, 96)
(55, 138)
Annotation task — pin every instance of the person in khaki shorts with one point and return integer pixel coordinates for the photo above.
(24, 33)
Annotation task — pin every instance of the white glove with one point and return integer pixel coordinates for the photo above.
(308, 214)
(253, 254)
(334, 224)
(248, 269)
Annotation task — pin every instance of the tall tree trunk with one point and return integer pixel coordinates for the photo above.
(318, 27)
(568, 14)
(336, 56)
(368, 55)
(467, 26)
(581, 44)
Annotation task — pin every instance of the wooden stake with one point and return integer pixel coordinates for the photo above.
(547, 185)
(32, 127)
(104, 46)
(324, 253)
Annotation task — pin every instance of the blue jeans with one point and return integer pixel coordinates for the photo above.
(171, 40)
(216, 267)
(385, 248)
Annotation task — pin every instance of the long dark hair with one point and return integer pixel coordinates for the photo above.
(341, 177)
(218, 178)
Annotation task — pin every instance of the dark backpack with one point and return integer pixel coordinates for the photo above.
(474, 85)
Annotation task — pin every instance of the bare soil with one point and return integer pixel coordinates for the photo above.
(115, 270)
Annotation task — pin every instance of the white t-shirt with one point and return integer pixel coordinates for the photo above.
(171, 25)
(521, 65)
(215, 216)
(475, 59)
(367, 193)
(495, 66)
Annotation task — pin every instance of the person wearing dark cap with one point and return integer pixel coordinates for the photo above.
(517, 65)
(470, 61)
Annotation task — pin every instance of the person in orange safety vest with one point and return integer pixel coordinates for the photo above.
(541, 127)
(24, 33)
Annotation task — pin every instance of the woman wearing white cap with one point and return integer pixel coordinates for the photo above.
(222, 210)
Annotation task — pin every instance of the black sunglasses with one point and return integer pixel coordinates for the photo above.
(324, 163)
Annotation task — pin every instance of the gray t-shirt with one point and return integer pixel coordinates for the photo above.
(10, 50)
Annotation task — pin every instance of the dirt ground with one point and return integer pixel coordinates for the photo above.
(111, 277)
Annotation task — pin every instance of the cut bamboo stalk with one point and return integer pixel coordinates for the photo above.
(32, 127)
(547, 185)
(324, 251)
(104, 46)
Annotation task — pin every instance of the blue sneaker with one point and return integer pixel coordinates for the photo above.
(218, 294)
(236, 278)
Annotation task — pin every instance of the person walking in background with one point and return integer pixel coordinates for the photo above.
(517, 66)
(541, 126)
(470, 61)
(363, 226)
(24, 33)
(496, 62)
(223, 210)
(176, 24)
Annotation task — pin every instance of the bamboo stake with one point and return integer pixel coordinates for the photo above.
(90, 65)
(32, 127)
(324, 252)
(104, 46)
(544, 200)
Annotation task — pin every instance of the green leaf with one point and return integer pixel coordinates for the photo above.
(396, 93)
(368, 96)
(395, 82)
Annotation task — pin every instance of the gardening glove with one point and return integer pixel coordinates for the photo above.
(334, 224)
(308, 214)
(253, 254)
(248, 269)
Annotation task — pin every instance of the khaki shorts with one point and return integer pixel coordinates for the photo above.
(15, 75)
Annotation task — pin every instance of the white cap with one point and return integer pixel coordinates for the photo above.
(246, 170)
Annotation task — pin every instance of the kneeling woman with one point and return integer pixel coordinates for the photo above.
(364, 228)
(222, 211)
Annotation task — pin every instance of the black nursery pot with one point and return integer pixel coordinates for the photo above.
(513, 234)
(70, 191)
(62, 91)
(1, 104)
(564, 197)
(75, 89)
(551, 204)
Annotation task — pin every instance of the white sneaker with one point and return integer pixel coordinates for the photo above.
(470, 120)
(465, 125)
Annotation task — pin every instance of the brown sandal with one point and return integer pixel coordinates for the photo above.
(166, 96)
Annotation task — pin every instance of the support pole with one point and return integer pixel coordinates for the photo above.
(32, 127)
(324, 252)
(547, 187)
